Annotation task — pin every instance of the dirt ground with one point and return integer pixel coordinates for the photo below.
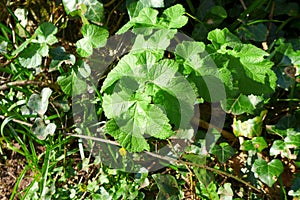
(11, 166)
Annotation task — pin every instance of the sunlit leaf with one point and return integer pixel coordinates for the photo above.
(45, 33)
(267, 172)
(93, 37)
(249, 128)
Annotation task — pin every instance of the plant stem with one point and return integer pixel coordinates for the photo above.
(22, 83)
(191, 6)
(169, 160)
(17, 121)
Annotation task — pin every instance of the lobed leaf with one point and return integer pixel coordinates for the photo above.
(223, 151)
(39, 103)
(267, 172)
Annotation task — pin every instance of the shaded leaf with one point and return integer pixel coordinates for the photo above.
(42, 130)
(257, 32)
(59, 56)
(167, 185)
(223, 151)
(39, 103)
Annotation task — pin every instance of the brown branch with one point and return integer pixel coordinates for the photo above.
(168, 159)
(243, 5)
(109, 3)
(22, 83)
(203, 124)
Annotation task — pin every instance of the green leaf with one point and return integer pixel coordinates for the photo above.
(117, 104)
(59, 56)
(257, 32)
(167, 185)
(279, 147)
(93, 37)
(158, 41)
(70, 6)
(174, 16)
(42, 130)
(93, 11)
(210, 88)
(126, 67)
(293, 139)
(45, 33)
(147, 17)
(3, 47)
(39, 103)
(188, 53)
(223, 151)
(294, 193)
(225, 192)
(23, 46)
(267, 172)
(255, 65)
(241, 104)
(293, 55)
(134, 7)
(152, 3)
(131, 142)
(142, 118)
(221, 37)
(30, 57)
(249, 128)
(136, 80)
(71, 84)
(207, 191)
(272, 129)
(255, 144)
(84, 69)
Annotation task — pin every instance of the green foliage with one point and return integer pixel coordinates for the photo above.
(267, 172)
(167, 185)
(172, 17)
(31, 57)
(91, 9)
(93, 37)
(223, 151)
(146, 99)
